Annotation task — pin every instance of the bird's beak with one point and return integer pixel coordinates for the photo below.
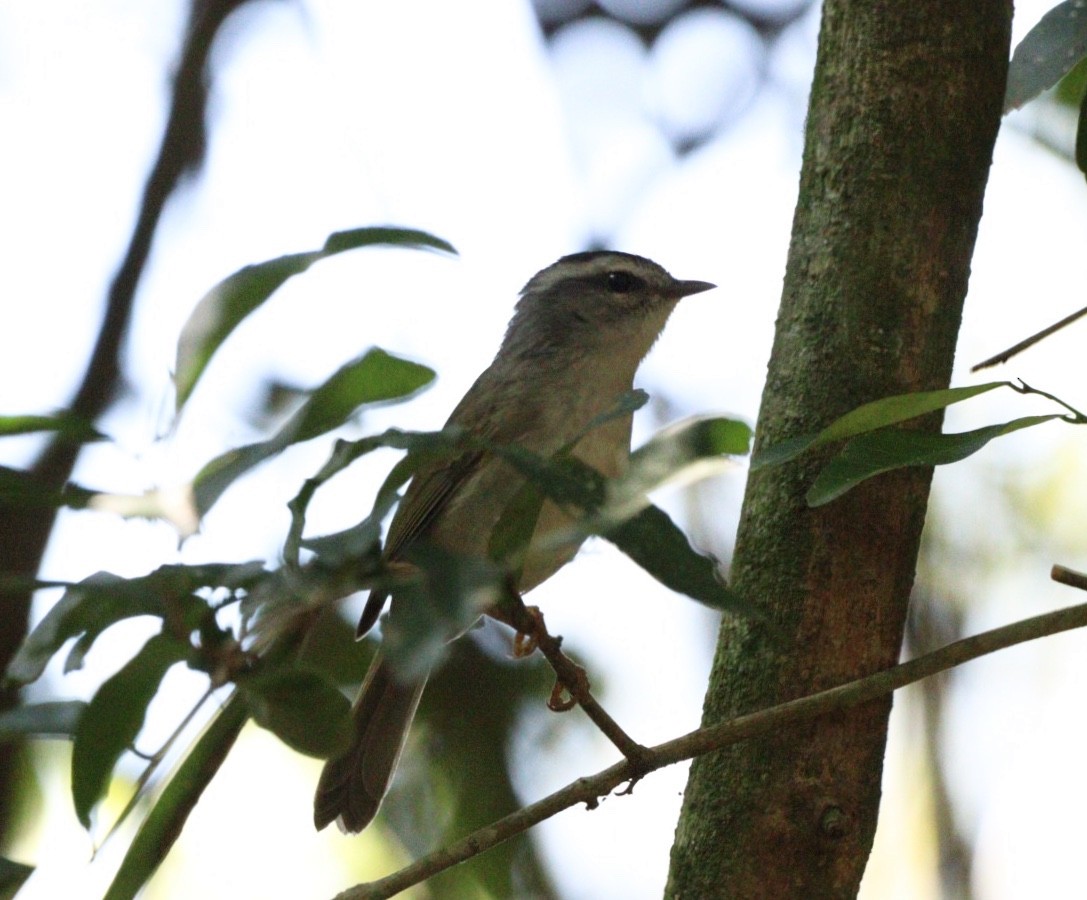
(686, 288)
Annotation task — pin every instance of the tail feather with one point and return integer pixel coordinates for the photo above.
(352, 786)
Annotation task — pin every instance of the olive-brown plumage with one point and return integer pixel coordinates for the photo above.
(578, 333)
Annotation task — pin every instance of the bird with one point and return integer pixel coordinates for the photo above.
(579, 331)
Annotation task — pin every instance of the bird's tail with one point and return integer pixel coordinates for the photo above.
(352, 785)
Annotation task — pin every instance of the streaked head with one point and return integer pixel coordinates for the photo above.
(588, 299)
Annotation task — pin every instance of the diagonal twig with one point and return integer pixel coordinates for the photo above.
(572, 678)
(590, 789)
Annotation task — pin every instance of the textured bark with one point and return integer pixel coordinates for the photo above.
(904, 111)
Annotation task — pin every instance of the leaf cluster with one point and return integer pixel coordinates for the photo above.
(244, 624)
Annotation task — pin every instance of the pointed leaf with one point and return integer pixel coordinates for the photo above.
(223, 308)
(687, 451)
(302, 709)
(374, 377)
(869, 417)
(227, 304)
(649, 537)
(162, 827)
(57, 718)
(386, 236)
(514, 529)
(656, 544)
(882, 451)
(1047, 53)
(114, 717)
(627, 404)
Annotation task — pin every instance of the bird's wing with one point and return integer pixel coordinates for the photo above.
(427, 495)
(506, 419)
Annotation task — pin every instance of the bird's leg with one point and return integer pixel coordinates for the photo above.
(572, 684)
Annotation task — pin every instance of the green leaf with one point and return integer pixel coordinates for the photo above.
(162, 827)
(353, 546)
(57, 718)
(687, 451)
(304, 710)
(113, 718)
(12, 877)
(564, 480)
(103, 599)
(422, 446)
(869, 417)
(649, 537)
(21, 489)
(628, 403)
(65, 424)
(883, 451)
(515, 527)
(1048, 52)
(447, 594)
(374, 377)
(656, 544)
(227, 304)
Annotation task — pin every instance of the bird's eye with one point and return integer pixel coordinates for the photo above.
(622, 282)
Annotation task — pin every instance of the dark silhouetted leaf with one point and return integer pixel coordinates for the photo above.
(57, 718)
(302, 709)
(1047, 53)
(114, 717)
(161, 828)
(21, 489)
(12, 877)
(99, 601)
(656, 544)
(882, 451)
(224, 307)
(619, 511)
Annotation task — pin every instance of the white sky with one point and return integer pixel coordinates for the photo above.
(449, 117)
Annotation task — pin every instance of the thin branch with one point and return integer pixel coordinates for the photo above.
(1005, 355)
(1070, 577)
(24, 533)
(589, 790)
(1074, 416)
(529, 622)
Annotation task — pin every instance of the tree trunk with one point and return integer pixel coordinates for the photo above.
(904, 111)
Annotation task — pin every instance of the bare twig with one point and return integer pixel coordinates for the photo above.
(1069, 576)
(572, 677)
(24, 532)
(590, 789)
(1005, 355)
